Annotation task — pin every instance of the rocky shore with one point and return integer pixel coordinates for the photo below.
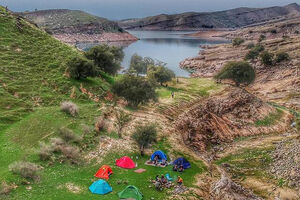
(94, 38)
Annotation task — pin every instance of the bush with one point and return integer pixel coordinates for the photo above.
(71, 154)
(46, 152)
(25, 170)
(144, 135)
(100, 124)
(250, 45)
(122, 119)
(136, 90)
(254, 52)
(297, 32)
(281, 56)
(261, 38)
(273, 31)
(106, 58)
(239, 72)
(160, 74)
(5, 189)
(237, 41)
(69, 136)
(298, 123)
(79, 68)
(266, 58)
(69, 108)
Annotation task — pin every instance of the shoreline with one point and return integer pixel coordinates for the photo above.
(75, 38)
(210, 34)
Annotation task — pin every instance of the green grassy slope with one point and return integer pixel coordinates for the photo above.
(32, 85)
(32, 69)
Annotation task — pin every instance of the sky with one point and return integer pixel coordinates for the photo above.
(124, 9)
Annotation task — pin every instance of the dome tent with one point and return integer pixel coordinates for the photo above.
(125, 162)
(182, 161)
(104, 172)
(161, 155)
(100, 187)
(131, 192)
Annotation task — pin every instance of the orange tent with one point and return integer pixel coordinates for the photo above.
(104, 172)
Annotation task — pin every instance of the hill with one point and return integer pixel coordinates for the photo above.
(75, 25)
(228, 19)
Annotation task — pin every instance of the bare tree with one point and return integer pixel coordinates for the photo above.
(122, 119)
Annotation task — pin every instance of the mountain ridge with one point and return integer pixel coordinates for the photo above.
(227, 19)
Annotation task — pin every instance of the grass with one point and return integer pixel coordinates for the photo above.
(249, 163)
(187, 88)
(271, 119)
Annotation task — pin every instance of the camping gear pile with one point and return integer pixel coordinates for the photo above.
(158, 159)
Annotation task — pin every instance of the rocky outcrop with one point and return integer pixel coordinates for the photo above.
(279, 83)
(286, 163)
(223, 117)
(73, 26)
(229, 19)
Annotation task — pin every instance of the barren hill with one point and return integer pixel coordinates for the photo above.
(75, 25)
(228, 19)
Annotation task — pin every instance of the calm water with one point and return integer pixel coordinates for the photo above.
(170, 47)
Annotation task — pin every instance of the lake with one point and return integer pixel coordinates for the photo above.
(170, 47)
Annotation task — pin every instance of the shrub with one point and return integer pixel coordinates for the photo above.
(250, 45)
(69, 136)
(254, 52)
(106, 58)
(69, 108)
(71, 153)
(136, 90)
(281, 56)
(297, 32)
(122, 119)
(261, 38)
(237, 41)
(266, 58)
(45, 152)
(273, 31)
(239, 72)
(5, 189)
(100, 124)
(25, 170)
(79, 68)
(298, 123)
(160, 74)
(56, 144)
(144, 135)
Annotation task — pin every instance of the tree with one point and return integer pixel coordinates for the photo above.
(238, 71)
(134, 89)
(266, 58)
(138, 64)
(160, 74)
(122, 119)
(144, 135)
(261, 38)
(79, 67)
(237, 41)
(106, 58)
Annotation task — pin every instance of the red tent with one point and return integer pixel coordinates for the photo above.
(125, 162)
(104, 172)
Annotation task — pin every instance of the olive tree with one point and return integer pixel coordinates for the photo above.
(106, 58)
(80, 67)
(160, 74)
(135, 89)
(144, 135)
(238, 71)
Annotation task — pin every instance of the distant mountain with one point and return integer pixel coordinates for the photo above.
(73, 26)
(229, 19)
(75, 21)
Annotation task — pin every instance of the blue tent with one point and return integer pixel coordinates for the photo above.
(182, 161)
(161, 155)
(100, 187)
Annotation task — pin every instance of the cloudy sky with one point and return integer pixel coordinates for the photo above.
(122, 9)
